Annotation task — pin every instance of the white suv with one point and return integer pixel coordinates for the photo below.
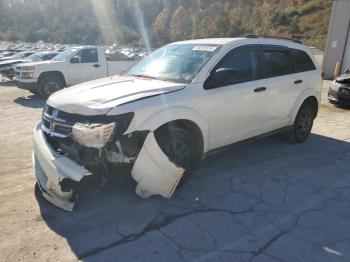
(171, 109)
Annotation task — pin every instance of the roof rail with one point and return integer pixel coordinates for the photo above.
(274, 37)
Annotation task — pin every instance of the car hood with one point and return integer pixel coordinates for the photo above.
(12, 61)
(343, 79)
(99, 96)
(39, 63)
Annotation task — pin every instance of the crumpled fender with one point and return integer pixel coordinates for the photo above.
(152, 122)
(154, 172)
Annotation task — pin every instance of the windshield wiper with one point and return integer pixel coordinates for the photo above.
(161, 78)
(145, 76)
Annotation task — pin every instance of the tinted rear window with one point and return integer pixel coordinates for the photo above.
(277, 63)
(302, 61)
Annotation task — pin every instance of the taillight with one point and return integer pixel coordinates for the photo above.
(323, 76)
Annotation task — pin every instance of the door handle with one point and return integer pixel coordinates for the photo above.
(260, 89)
(296, 82)
(96, 65)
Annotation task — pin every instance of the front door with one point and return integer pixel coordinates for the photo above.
(87, 67)
(237, 107)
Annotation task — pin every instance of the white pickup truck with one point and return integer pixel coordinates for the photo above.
(71, 67)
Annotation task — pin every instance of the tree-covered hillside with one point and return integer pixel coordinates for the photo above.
(156, 22)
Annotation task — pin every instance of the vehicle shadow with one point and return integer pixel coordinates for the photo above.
(33, 101)
(7, 83)
(266, 178)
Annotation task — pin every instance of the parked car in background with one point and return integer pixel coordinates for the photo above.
(8, 52)
(7, 67)
(19, 55)
(71, 67)
(339, 91)
(172, 108)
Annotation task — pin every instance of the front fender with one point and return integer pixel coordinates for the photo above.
(307, 93)
(159, 118)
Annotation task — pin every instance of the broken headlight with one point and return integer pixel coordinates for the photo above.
(94, 135)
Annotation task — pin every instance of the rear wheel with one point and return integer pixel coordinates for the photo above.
(49, 85)
(302, 126)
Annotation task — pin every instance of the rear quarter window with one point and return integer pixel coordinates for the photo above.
(302, 61)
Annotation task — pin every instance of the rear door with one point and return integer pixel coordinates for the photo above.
(237, 109)
(87, 68)
(283, 86)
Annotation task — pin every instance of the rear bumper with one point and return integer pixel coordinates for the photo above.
(52, 169)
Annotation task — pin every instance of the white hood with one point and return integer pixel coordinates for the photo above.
(48, 62)
(12, 61)
(99, 96)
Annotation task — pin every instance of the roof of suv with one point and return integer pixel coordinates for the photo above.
(224, 41)
(210, 41)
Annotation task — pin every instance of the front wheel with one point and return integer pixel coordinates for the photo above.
(302, 126)
(49, 85)
(176, 144)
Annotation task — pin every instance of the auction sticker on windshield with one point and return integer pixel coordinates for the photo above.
(206, 48)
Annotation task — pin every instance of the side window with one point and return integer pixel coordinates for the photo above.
(48, 57)
(244, 62)
(277, 63)
(88, 56)
(302, 61)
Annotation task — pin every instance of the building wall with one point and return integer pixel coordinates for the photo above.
(338, 38)
(346, 59)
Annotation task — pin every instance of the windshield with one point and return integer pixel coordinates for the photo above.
(179, 63)
(63, 56)
(34, 57)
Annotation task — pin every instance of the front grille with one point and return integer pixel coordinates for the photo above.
(344, 94)
(59, 123)
(49, 110)
(53, 124)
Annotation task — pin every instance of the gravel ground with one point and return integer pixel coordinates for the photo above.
(262, 201)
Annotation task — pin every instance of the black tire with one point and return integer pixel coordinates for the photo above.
(176, 144)
(302, 125)
(48, 85)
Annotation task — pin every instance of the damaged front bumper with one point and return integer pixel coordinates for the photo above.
(154, 173)
(52, 172)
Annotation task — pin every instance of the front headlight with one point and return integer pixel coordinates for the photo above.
(97, 131)
(28, 68)
(335, 86)
(27, 74)
(93, 135)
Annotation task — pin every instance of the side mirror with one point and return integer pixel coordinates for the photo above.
(74, 60)
(221, 77)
